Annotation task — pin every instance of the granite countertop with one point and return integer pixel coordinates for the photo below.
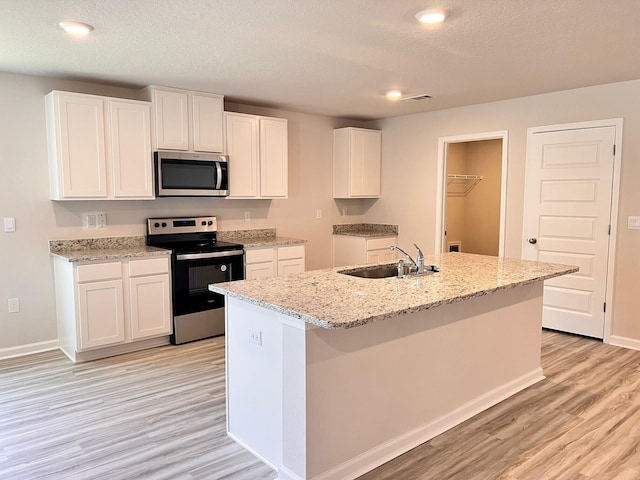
(258, 238)
(332, 300)
(366, 230)
(99, 249)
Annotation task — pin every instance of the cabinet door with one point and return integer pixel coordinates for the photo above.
(288, 267)
(101, 310)
(171, 111)
(260, 270)
(206, 123)
(380, 256)
(130, 149)
(79, 136)
(364, 180)
(150, 298)
(242, 148)
(274, 158)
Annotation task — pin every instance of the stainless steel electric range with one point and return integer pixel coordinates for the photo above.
(197, 260)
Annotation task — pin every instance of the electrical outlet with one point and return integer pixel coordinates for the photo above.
(9, 224)
(101, 220)
(14, 305)
(255, 336)
(247, 216)
(318, 213)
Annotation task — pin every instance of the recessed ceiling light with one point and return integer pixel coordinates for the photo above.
(76, 28)
(393, 94)
(431, 16)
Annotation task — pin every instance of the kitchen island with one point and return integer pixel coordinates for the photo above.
(317, 398)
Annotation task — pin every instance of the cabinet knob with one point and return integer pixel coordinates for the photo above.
(533, 241)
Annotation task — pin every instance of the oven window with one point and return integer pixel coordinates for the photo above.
(201, 276)
(185, 174)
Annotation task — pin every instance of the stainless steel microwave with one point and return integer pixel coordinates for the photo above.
(183, 174)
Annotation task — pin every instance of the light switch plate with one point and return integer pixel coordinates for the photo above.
(633, 223)
(9, 224)
(91, 220)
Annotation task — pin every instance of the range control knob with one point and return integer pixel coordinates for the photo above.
(156, 224)
(209, 223)
(164, 224)
(203, 223)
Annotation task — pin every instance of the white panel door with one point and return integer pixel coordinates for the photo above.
(82, 144)
(150, 298)
(101, 308)
(242, 148)
(274, 158)
(206, 123)
(172, 120)
(260, 270)
(365, 163)
(567, 216)
(130, 149)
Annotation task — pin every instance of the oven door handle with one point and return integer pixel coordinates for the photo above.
(197, 256)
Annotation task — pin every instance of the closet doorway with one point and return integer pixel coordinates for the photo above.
(472, 193)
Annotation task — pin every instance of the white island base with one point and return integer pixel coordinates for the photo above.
(318, 403)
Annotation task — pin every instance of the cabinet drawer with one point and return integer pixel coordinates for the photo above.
(380, 243)
(260, 255)
(148, 266)
(99, 271)
(285, 253)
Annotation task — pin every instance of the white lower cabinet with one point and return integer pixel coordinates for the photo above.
(101, 313)
(149, 298)
(107, 308)
(355, 250)
(274, 261)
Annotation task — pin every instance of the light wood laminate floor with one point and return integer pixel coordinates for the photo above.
(160, 414)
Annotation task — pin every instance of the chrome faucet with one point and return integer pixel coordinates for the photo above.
(414, 265)
(418, 265)
(419, 259)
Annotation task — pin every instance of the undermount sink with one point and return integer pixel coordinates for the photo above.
(378, 271)
(386, 271)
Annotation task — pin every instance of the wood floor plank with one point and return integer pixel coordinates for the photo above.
(160, 414)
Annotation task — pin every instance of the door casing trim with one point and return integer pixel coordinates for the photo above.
(615, 200)
(443, 143)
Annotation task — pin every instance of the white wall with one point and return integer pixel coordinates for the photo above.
(409, 162)
(26, 270)
(408, 189)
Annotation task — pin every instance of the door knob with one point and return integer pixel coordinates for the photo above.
(533, 241)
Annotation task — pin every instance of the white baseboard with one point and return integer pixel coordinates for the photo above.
(29, 349)
(625, 342)
(375, 457)
(252, 452)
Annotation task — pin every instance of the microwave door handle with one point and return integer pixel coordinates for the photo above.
(197, 256)
(219, 171)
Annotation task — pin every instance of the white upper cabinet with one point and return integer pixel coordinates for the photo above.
(130, 149)
(99, 147)
(258, 156)
(206, 121)
(356, 163)
(242, 148)
(274, 158)
(171, 120)
(185, 120)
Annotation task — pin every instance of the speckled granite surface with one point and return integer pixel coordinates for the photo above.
(257, 238)
(367, 230)
(332, 300)
(110, 248)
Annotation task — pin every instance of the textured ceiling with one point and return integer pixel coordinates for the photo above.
(331, 57)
